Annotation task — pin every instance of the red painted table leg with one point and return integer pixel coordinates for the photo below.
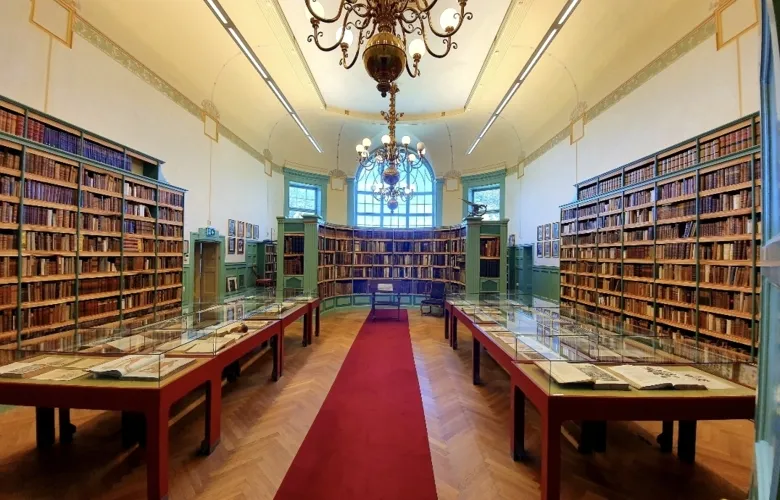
(275, 352)
(454, 333)
(305, 340)
(551, 458)
(44, 427)
(310, 327)
(446, 324)
(317, 322)
(213, 416)
(157, 453)
(67, 429)
(517, 431)
(476, 359)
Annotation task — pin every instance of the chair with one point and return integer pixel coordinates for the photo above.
(435, 299)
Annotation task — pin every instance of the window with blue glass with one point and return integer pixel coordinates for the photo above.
(303, 199)
(415, 212)
(490, 196)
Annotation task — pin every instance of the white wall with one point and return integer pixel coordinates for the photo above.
(702, 90)
(89, 89)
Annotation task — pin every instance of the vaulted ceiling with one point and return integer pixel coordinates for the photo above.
(600, 46)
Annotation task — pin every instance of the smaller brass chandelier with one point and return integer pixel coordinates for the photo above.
(382, 25)
(394, 160)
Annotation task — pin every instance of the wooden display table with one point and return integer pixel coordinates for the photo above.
(154, 399)
(557, 404)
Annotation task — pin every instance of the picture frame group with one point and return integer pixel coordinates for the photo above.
(548, 240)
(238, 233)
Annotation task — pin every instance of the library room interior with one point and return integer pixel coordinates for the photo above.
(389, 249)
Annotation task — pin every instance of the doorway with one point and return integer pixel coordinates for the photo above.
(206, 272)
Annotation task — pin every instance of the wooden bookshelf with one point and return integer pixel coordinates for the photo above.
(81, 226)
(349, 259)
(676, 246)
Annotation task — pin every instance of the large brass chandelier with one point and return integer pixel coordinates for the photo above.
(393, 160)
(383, 26)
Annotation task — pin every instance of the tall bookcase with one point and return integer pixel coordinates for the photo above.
(670, 242)
(343, 261)
(88, 236)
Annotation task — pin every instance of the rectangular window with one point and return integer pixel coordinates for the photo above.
(490, 196)
(303, 200)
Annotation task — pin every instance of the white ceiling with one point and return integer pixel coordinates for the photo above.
(453, 77)
(602, 44)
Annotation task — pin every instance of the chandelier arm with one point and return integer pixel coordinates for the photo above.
(327, 19)
(357, 7)
(318, 34)
(446, 41)
(345, 47)
(461, 17)
(424, 6)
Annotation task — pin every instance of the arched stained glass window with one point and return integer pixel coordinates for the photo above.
(416, 212)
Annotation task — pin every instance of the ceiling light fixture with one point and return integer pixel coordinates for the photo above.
(237, 37)
(382, 25)
(548, 38)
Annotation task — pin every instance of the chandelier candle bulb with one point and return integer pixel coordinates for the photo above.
(417, 47)
(448, 19)
(385, 139)
(406, 140)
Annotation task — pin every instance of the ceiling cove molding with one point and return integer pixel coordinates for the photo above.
(409, 118)
(102, 42)
(693, 39)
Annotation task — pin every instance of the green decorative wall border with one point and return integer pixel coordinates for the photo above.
(95, 37)
(496, 177)
(320, 181)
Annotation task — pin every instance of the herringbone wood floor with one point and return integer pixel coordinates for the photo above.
(264, 424)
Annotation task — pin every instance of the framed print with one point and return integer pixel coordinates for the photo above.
(186, 247)
(257, 231)
(539, 233)
(231, 246)
(556, 230)
(511, 240)
(547, 248)
(240, 229)
(240, 246)
(539, 249)
(231, 227)
(556, 248)
(547, 232)
(232, 284)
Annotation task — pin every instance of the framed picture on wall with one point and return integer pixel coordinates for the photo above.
(231, 246)
(185, 247)
(556, 248)
(231, 227)
(240, 229)
(511, 240)
(556, 230)
(257, 231)
(547, 232)
(539, 233)
(539, 252)
(547, 248)
(232, 285)
(241, 246)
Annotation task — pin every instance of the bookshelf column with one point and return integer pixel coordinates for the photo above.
(473, 231)
(280, 250)
(311, 249)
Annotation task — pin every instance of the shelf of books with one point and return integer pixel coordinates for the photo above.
(269, 260)
(670, 243)
(84, 241)
(350, 259)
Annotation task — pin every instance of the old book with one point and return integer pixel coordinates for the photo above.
(88, 362)
(117, 368)
(256, 325)
(22, 370)
(133, 343)
(711, 382)
(655, 377)
(55, 361)
(60, 375)
(602, 379)
(564, 373)
(582, 374)
(158, 371)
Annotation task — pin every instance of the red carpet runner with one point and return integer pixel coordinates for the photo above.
(369, 440)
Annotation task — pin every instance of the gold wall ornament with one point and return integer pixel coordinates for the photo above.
(382, 26)
(338, 179)
(54, 17)
(211, 118)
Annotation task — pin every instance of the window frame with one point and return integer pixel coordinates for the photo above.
(304, 211)
(488, 187)
(404, 213)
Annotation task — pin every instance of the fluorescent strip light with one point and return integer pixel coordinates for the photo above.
(314, 143)
(568, 12)
(279, 96)
(247, 52)
(507, 98)
(487, 127)
(300, 124)
(471, 149)
(217, 11)
(539, 53)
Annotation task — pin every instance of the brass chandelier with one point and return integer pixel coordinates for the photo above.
(383, 26)
(392, 159)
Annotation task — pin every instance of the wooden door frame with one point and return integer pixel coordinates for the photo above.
(189, 270)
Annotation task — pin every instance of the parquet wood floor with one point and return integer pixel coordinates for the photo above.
(264, 424)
